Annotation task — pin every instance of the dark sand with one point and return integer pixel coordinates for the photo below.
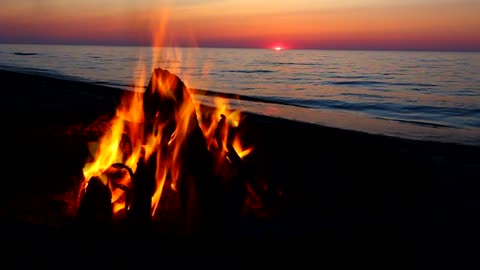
(330, 195)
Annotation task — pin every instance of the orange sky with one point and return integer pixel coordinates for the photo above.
(297, 24)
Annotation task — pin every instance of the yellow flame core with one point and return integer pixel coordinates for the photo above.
(241, 152)
(108, 152)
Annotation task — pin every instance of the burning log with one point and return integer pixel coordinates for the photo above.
(95, 208)
(168, 104)
(143, 187)
(220, 131)
(234, 175)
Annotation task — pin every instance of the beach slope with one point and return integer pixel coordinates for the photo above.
(378, 196)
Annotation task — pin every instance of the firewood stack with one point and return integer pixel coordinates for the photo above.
(210, 197)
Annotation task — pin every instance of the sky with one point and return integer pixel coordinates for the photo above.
(292, 24)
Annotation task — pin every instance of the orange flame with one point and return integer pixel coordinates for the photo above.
(129, 123)
(108, 152)
(237, 145)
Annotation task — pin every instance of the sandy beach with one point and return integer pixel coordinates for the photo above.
(346, 192)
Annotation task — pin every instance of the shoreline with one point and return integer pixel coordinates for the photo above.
(374, 191)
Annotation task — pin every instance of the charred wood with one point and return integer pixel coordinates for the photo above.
(232, 177)
(220, 131)
(95, 209)
(164, 99)
(142, 190)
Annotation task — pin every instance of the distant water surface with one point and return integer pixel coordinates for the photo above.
(419, 95)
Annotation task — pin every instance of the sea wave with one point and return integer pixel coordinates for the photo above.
(368, 83)
(350, 77)
(117, 84)
(365, 95)
(420, 123)
(25, 53)
(249, 71)
(292, 64)
(376, 106)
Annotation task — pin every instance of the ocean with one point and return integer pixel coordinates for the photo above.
(433, 96)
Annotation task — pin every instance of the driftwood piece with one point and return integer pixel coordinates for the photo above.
(165, 98)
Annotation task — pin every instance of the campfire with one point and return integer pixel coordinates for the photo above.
(162, 158)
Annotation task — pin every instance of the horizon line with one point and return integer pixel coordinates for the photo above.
(248, 47)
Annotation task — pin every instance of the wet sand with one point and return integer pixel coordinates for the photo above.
(354, 196)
